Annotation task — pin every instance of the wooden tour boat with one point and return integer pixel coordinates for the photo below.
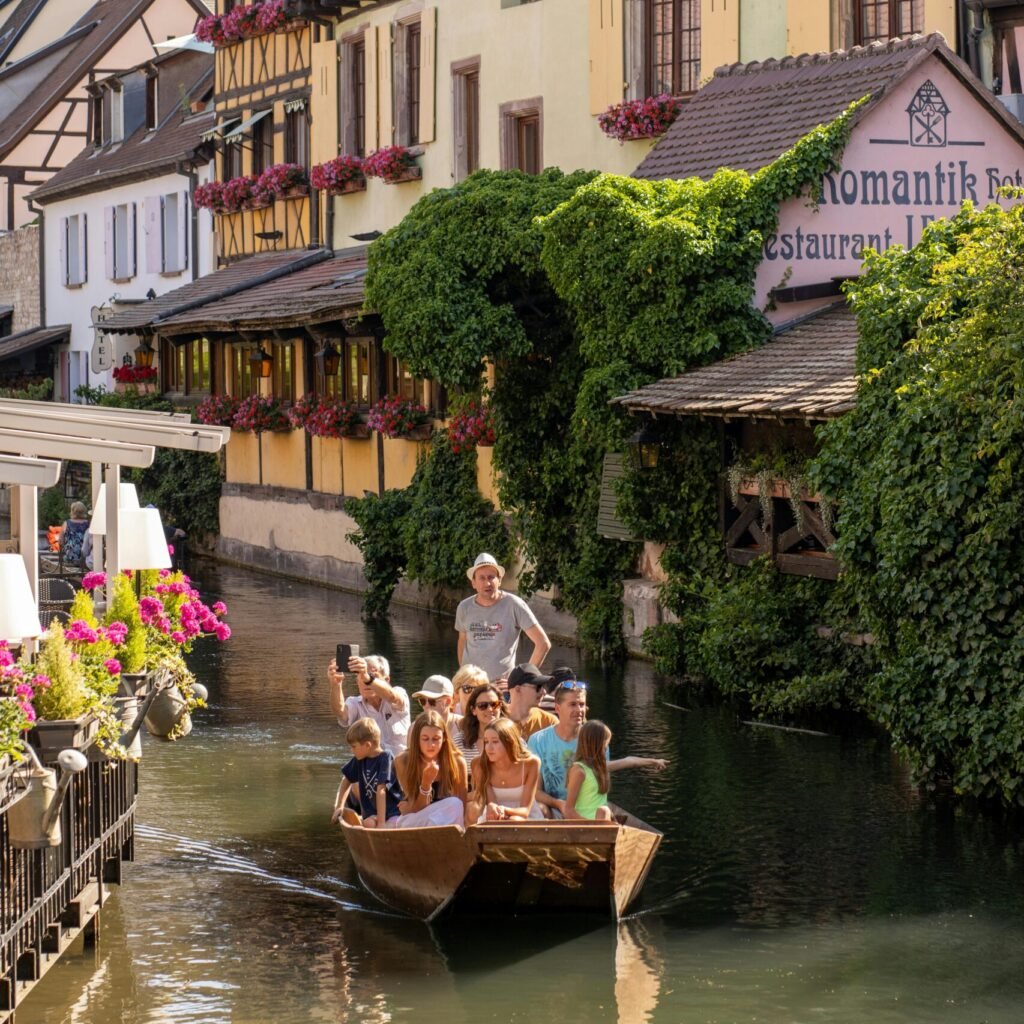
(549, 866)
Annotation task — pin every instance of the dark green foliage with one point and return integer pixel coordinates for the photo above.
(927, 471)
(580, 288)
(428, 532)
(380, 520)
(53, 507)
(185, 486)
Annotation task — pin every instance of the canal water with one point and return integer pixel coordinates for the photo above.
(801, 878)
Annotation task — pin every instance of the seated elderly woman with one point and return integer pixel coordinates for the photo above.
(432, 776)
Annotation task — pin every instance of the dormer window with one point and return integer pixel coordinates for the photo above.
(96, 115)
(116, 115)
(152, 102)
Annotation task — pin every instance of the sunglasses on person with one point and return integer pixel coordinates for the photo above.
(430, 702)
(467, 688)
(486, 705)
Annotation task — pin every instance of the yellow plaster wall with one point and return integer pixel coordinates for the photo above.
(243, 459)
(485, 481)
(551, 59)
(940, 16)
(400, 461)
(284, 458)
(808, 27)
(328, 475)
(359, 465)
(719, 35)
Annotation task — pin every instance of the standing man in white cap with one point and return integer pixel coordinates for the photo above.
(490, 622)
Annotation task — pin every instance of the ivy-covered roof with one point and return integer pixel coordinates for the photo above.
(749, 114)
(807, 372)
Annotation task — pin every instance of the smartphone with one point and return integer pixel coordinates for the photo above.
(343, 653)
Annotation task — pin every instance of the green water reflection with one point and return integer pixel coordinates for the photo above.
(800, 880)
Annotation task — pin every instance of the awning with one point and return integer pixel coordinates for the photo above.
(235, 135)
(218, 129)
(807, 372)
(35, 337)
(188, 42)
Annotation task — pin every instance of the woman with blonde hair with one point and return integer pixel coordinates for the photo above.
(432, 776)
(505, 778)
(465, 681)
(483, 707)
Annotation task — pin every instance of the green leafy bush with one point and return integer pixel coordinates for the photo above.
(379, 538)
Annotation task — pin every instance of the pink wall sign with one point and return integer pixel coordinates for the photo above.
(927, 147)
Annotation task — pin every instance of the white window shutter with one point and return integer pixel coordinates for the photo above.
(133, 260)
(183, 222)
(62, 241)
(152, 227)
(83, 248)
(428, 76)
(108, 242)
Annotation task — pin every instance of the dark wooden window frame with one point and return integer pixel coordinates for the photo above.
(513, 117)
(296, 137)
(180, 363)
(407, 58)
(679, 23)
(262, 143)
(888, 20)
(466, 115)
(352, 389)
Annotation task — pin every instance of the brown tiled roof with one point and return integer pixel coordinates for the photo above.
(750, 114)
(34, 337)
(235, 277)
(96, 32)
(807, 372)
(325, 291)
(143, 154)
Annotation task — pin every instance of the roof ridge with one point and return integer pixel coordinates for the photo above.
(930, 41)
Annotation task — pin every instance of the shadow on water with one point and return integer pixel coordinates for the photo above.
(801, 877)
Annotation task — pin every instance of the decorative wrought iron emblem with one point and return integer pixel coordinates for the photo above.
(928, 113)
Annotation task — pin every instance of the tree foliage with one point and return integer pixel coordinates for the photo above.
(926, 470)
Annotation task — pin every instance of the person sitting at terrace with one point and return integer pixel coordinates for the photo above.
(376, 699)
(526, 683)
(485, 706)
(73, 536)
(505, 778)
(432, 776)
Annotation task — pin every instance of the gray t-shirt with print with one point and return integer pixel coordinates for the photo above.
(492, 634)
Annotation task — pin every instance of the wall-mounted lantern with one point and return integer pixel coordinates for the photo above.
(261, 362)
(645, 447)
(144, 353)
(327, 359)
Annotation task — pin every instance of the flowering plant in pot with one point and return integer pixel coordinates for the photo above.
(279, 180)
(18, 683)
(135, 374)
(260, 413)
(210, 197)
(324, 416)
(341, 174)
(392, 163)
(218, 410)
(243, 22)
(240, 194)
(397, 417)
(471, 425)
(640, 119)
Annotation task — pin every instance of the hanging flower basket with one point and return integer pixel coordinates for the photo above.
(339, 176)
(261, 414)
(393, 164)
(640, 119)
(281, 181)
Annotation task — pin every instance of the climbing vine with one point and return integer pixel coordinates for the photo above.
(579, 288)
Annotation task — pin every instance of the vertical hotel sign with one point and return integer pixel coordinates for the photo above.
(924, 150)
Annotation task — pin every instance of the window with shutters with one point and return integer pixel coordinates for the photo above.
(296, 137)
(466, 116)
(262, 144)
(166, 230)
(671, 47)
(407, 62)
(73, 254)
(231, 161)
(357, 85)
(887, 19)
(119, 241)
(522, 135)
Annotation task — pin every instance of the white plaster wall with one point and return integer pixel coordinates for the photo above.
(73, 305)
(537, 49)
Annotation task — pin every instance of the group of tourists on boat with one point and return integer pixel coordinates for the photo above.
(499, 741)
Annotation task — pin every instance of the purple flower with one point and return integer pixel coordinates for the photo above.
(113, 666)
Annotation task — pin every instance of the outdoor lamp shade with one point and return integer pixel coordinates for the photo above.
(327, 359)
(644, 447)
(144, 353)
(262, 362)
(143, 544)
(128, 498)
(19, 616)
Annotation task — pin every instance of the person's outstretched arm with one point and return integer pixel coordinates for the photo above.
(658, 764)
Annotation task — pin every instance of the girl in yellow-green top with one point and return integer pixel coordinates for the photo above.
(587, 782)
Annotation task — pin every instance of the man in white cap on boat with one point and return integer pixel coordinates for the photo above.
(490, 622)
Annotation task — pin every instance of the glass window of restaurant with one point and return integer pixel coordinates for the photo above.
(186, 367)
(244, 382)
(400, 380)
(282, 376)
(357, 364)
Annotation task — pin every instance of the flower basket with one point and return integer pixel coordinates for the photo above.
(339, 175)
(393, 164)
(640, 119)
(260, 414)
(49, 738)
(398, 417)
(421, 432)
(280, 181)
(122, 388)
(218, 410)
(471, 426)
(245, 22)
(359, 431)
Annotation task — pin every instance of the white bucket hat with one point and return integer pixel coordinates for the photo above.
(435, 686)
(482, 560)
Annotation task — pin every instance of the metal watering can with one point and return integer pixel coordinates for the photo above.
(133, 716)
(164, 714)
(33, 821)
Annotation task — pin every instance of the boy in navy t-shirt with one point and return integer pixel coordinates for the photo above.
(373, 771)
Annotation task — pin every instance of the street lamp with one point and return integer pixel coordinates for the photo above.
(645, 447)
(144, 353)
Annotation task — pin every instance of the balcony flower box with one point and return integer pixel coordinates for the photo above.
(393, 164)
(640, 119)
(49, 738)
(393, 416)
(339, 176)
(245, 22)
(281, 181)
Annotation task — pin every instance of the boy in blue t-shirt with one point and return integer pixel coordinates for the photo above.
(373, 771)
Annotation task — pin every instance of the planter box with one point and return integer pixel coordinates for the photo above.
(49, 738)
(9, 792)
(147, 387)
(779, 489)
(348, 188)
(296, 192)
(409, 174)
(360, 432)
(420, 433)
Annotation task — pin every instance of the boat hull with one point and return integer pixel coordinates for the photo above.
(548, 866)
